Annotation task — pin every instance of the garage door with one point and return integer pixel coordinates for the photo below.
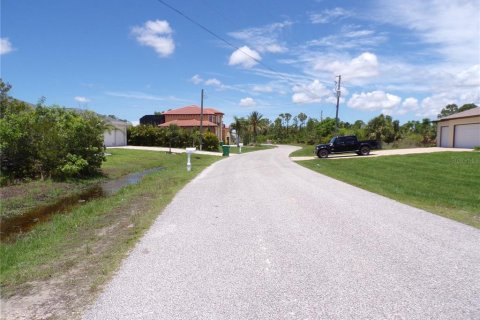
(467, 135)
(444, 136)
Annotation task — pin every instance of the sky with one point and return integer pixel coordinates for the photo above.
(405, 58)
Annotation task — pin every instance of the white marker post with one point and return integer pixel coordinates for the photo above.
(189, 153)
(241, 145)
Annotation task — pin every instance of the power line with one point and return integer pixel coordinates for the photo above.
(214, 34)
(198, 24)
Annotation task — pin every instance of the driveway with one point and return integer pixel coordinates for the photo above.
(163, 149)
(388, 152)
(257, 236)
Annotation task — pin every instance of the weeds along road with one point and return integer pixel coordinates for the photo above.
(259, 237)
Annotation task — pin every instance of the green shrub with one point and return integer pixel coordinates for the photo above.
(73, 167)
(210, 141)
(45, 141)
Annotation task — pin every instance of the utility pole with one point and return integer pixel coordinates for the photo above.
(339, 92)
(321, 116)
(201, 120)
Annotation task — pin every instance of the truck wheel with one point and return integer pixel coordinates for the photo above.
(364, 151)
(322, 153)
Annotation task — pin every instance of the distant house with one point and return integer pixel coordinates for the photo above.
(226, 134)
(152, 119)
(459, 130)
(116, 134)
(189, 117)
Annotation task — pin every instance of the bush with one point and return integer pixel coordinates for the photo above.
(74, 166)
(210, 141)
(48, 141)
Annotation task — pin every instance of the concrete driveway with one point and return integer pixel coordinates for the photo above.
(257, 236)
(380, 153)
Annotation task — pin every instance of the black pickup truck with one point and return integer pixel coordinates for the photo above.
(346, 144)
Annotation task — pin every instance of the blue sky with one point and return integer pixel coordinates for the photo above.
(405, 58)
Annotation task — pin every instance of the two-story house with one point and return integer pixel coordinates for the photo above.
(189, 117)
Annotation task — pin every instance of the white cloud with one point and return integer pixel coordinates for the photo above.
(5, 46)
(350, 37)
(156, 34)
(311, 93)
(247, 102)
(363, 66)
(196, 79)
(244, 57)
(409, 104)
(214, 83)
(143, 96)
(469, 77)
(375, 100)
(262, 88)
(450, 27)
(135, 123)
(81, 99)
(328, 15)
(264, 39)
(432, 105)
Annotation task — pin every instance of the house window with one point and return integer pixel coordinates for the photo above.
(210, 118)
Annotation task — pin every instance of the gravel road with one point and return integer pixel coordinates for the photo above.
(257, 236)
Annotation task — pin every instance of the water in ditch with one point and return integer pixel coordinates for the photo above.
(9, 227)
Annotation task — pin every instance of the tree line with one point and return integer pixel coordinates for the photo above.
(288, 128)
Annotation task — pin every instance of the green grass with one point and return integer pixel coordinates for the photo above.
(444, 183)
(20, 198)
(97, 235)
(307, 150)
(246, 149)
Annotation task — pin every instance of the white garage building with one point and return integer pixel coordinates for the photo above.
(116, 134)
(459, 130)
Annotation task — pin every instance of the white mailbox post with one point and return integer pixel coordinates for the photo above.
(189, 153)
(240, 145)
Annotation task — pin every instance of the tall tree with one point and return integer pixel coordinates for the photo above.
(448, 110)
(288, 116)
(381, 128)
(255, 122)
(467, 106)
(239, 126)
(302, 117)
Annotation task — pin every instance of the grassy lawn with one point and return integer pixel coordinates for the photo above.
(74, 253)
(17, 199)
(444, 183)
(246, 149)
(307, 150)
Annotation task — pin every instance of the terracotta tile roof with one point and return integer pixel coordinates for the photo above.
(464, 114)
(193, 109)
(213, 110)
(188, 123)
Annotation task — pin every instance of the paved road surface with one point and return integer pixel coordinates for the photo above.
(258, 237)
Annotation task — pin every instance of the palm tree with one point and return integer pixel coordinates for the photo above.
(302, 117)
(238, 125)
(288, 116)
(255, 121)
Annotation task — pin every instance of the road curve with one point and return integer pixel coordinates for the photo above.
(259, 237)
